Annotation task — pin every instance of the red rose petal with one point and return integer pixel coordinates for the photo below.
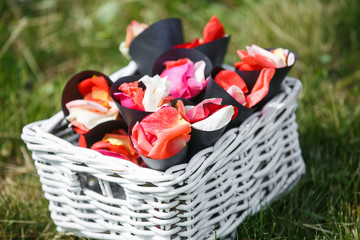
(189, 45)
(228, 78)
(170, 64)
(213, 30)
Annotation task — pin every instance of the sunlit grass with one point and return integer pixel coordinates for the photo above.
(43, 43)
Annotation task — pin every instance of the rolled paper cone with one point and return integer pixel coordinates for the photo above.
(154, 41)
(127, 113)
(215, 50)
(179, 53)
(99, 131)
(202, 139)
(250, 78)
(214, 90)
(162, 164)
(71, 91)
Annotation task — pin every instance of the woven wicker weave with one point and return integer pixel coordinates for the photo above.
(107, 198)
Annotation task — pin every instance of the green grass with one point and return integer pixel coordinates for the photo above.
(43, 43)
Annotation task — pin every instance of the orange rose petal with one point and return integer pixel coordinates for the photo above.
(165, 125)
(166, 100)
(181, 109)
(86, 85)
(165, 117)
(120, 140)
(170, 141)
(261, 87)
(102, 145)
(99, 93)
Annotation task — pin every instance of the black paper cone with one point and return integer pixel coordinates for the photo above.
(128, 114)
(201, 139)
(250, 78)
(71, 91)
(99, 131)
(154, 41)
(163, 164)
(213, 90)
(215, 50)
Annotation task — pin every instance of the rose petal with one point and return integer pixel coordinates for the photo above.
(85, 104)
(99, 93)
(168, 127)
(85, 86)
(111, 154)
(170, 64)
(228, 78)
(198, 111)
(178, 77)
(189, 45)
(213, 30)
(125, 100)
(264, 62)
(165, 117)
(134, 92)
(199, 69)
(237, 94)
(187, 80)
(217, 120)
(88, 118)
(133, 30)
(79, 128)
(157, 88)
(272, 57)
(281, 53)
(261, 87)
(139, 139)
(170, 141)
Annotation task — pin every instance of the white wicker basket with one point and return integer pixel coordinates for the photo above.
(247, 168)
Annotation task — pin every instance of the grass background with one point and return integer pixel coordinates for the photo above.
(43, 43)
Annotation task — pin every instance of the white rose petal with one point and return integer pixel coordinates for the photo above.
(156, 89)
(89, 118)
(216, 121)
(237, 94)
(199, 69)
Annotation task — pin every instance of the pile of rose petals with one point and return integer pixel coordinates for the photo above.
(95, 107)
(181, 109)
